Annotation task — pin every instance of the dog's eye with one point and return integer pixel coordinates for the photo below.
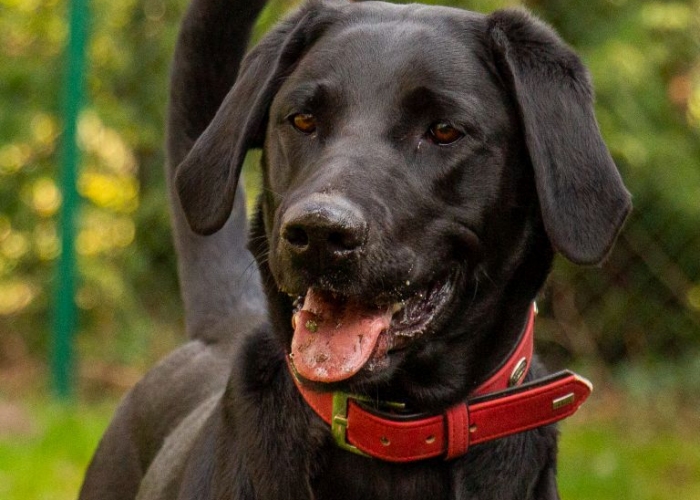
(304, 122)
(443, 133)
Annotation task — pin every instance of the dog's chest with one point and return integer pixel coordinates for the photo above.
(347, 476)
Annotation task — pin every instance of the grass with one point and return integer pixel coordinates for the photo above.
(615, 448)
(606, 461)
(44, 457)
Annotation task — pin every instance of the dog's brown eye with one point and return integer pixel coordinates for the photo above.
(304, 122)
(443, 133)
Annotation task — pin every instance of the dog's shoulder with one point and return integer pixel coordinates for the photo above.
(195, 374)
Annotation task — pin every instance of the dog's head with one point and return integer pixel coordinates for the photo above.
(421, 165)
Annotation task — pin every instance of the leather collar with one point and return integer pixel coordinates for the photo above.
(498, 407)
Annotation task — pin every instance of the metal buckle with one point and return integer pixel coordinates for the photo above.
(339, 423)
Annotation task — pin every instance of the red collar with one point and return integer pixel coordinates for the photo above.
(498, 407)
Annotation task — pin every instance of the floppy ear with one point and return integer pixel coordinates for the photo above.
(582, 198)
(207, 178)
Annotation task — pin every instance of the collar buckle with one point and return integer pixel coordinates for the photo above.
(339, 421)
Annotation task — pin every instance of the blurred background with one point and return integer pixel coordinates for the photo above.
(631, 325)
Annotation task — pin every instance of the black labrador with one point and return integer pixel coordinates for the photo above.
(421, 167)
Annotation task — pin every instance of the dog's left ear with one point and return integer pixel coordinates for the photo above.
(582, 198)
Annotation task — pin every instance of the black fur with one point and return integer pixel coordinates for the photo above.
(529, 177)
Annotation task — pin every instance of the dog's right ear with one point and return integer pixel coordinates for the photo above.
(207, 178)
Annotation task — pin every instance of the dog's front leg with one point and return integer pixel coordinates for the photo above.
(276, 439)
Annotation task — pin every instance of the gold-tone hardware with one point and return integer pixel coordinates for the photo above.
(563, 401)
(518, 372)
(430, 440)
(385, 441)
(535, 308)
(389, 405)
(339, 424)
(472, 428)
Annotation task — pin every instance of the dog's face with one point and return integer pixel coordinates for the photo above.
(388, 180)
(420, 164)
(395, 155)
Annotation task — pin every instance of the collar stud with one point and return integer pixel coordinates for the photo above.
(518, 372)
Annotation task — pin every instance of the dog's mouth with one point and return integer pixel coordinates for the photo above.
(336, 336)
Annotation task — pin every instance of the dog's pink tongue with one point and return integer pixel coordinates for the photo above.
(333, 341)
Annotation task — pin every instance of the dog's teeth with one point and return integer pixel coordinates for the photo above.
(298, 300)
(407, 334)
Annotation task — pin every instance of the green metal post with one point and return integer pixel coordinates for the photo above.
(65, 312)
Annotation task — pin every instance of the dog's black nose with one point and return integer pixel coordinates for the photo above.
(324, 228)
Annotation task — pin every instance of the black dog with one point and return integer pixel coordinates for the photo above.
(421, 167)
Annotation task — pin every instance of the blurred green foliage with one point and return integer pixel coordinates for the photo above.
(644, 56)
(46, 458)
(604, 461)
(128, 290)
